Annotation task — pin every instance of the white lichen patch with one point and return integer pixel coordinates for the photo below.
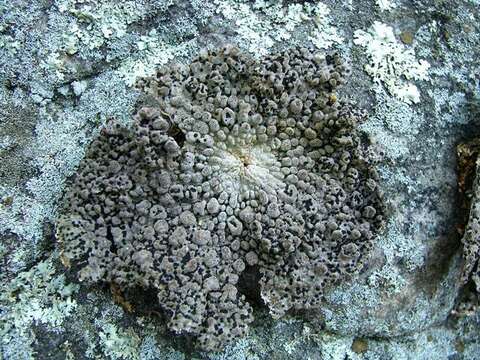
(94, 23)
(260, 25)
(335, 348)
(253, 32)
(396, 245)
(107, 339)
(90, 26)
(30, 208)
(385, 5)
(56, 64)
(391, 63)
(8, 42)
(79, 87)
(61, 133)
(389, 278)
(34, 297)
(243, 349)
(6, 143)
(151, 349)
(152, 53)
(325, 34)
(393, 125)
(119, 343)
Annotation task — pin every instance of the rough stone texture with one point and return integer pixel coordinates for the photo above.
(469, 184)
(67, 68)
(471, 239)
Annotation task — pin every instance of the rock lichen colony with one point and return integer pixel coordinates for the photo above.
(240, 164)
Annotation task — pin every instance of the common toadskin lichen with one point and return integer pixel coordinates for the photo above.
(236, 164)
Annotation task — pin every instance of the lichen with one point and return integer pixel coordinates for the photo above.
(241, 163)
(451, 41)
(119, 343)
(154, 53)
(390, 62)
(7, 41)
(34, 297)
(325, 34)
(94, 23)
(385, 5)
(261, 25)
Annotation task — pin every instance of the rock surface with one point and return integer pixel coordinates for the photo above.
(69, 65)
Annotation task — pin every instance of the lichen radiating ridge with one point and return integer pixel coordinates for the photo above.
(241, 163)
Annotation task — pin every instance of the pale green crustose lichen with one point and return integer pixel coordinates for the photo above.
(390, 62)
(34, 297)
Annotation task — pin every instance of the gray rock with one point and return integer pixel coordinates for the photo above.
(398, 308)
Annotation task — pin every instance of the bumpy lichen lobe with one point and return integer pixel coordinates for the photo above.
(469, 189)
(241, 163)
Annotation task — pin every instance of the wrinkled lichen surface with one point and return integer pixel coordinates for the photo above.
(241, 163)
(471, 236)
